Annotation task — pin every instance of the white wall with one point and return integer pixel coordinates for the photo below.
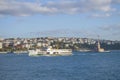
(0, 45)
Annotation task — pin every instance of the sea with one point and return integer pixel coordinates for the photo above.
(79, 66)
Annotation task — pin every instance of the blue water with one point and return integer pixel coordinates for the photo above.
(80, 66)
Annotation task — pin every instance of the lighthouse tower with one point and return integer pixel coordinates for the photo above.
(98, 45)
(98, 48)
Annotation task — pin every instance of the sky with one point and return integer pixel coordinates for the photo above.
(60, 18)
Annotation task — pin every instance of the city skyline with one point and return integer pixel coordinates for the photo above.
(61, 18)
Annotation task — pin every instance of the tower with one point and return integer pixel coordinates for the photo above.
(98, 48)
(1, 44)
(98, 45)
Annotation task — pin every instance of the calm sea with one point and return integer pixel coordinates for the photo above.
(80, 66)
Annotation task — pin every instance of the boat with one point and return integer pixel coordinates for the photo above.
(20, 52)
(3, 52)
(10, 52)
(84, 50)
(50, 52)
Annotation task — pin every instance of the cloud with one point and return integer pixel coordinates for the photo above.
(16, 8)
(110, 32)
(22, 8)
(62, 33)
(114, 27)
(100, 15)
(116, 1)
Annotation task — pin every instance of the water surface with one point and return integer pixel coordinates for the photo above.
(80, 66)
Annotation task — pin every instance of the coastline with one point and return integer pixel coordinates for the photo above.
(15, 52)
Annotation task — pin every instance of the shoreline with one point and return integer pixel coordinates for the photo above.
(15, 52)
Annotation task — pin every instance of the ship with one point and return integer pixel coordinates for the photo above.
(50, 52)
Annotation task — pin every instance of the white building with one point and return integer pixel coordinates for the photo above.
(39, 44)
(1, 45)
(27, 46)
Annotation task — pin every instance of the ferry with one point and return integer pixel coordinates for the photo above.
(50, 52)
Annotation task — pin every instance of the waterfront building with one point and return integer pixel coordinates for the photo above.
(39, 44)
(27, 46)
(1, 45)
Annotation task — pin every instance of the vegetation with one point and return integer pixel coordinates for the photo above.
(78, 46)
(115, 46)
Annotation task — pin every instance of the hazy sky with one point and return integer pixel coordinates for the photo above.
(70, 18)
